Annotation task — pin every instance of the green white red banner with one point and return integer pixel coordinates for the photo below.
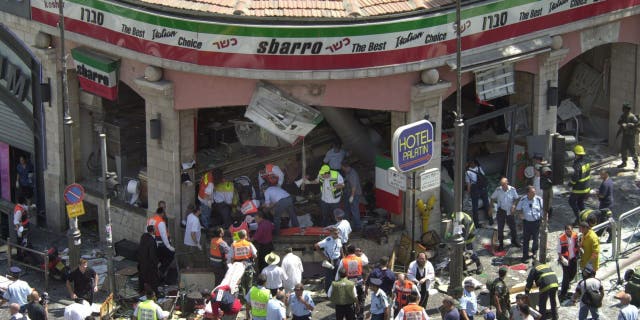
(98, 73)
(301, 47)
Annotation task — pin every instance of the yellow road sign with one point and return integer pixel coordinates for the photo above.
(74, 210)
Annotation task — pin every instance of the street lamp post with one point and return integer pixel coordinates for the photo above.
(457, 240)
(73, 235)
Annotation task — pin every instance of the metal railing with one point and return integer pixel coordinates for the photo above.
(44, 254)
(608, 254)
(629, 236)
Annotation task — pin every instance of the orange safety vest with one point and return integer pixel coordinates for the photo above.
(564, 244)
(269, 176)
(249, 207)
(352, 265)
(155, 222)
(235, 231)
(24, 217)
(215, 251)
(204, 182)
(402, 293)
(413, 312)
(242, 250)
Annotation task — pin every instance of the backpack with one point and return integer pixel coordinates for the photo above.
(591, 297)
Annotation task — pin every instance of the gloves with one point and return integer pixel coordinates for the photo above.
(172, 249)
(199, 247)
(351, 199)
(17, 184)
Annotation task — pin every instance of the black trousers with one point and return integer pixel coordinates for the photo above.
(345, 311)
(165, 256)
(424, 295)
(550, 295)
(568, 273)
(576, 202)
(531, 231)
(511, 222)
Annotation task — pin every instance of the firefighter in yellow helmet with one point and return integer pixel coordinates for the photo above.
(580, 182)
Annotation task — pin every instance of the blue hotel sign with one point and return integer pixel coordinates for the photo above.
(412, 145)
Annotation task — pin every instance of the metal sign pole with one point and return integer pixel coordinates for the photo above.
(108, 241)
(413, 214)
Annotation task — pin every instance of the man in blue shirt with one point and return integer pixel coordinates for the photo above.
(605, 192)
(300, 303)
(469, 301)
(530, 206)
(17, 291)
(276, 309)
(24, 178)
(331, 248)
(379, 301)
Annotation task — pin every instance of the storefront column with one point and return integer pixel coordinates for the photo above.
(54, 180)
(163, 154)
(426, 101)
(544, 117)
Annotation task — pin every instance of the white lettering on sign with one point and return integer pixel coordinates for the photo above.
(429, 179)
(397, 179)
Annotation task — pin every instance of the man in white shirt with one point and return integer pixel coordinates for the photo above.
(343, 226)
(270, 175)
(275, 275)
(281, 203)
(627, 310)
(18, 291)
(292, 266)
(331, 185)
(78, 310)
(192, 235)
(505, 197)
(422, 274)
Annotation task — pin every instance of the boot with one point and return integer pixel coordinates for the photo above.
(635, 164)
(622, 165)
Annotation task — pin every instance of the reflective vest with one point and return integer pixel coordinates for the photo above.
(235, 231)
(333, 180)
(214, 249)
(402, 293)
(352, 265)
(204, 182)
(581, 177)
(227, 187)
(24, 214)
(469, 227)
(250, 206)
(564, 245)
(259, 299)
(342, 292)
(147, 310)
(242, 250)
(155, 222)
(413, 311)
(545, 278)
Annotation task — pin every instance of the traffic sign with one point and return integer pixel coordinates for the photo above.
(412, 145)
(75, 209)
(73, 193)
(397, 179)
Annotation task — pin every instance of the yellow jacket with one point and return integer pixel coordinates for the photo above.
(591, 246)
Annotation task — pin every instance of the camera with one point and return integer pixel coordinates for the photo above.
(44, 300)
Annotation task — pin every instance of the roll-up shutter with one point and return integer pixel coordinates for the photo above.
(13, 130)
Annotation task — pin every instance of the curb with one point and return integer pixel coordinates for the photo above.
(610, 269)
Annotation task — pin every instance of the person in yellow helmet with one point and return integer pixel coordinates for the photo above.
(580, 182)
(331, 185)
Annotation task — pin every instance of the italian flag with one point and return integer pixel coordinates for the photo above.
(97, 73)
(387, 197)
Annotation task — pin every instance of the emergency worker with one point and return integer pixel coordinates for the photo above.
(219, 254)
(331, 185)
(21, 225)
(257, 299)
(595, 217)
(270, 175)
(547, 283)
(344, 295)
(402, 289)
(165, 251)
(225, 199)
(239, 223)
(568, 257)
(353, 266)
(412, 311)
(628, 123)
(579, 182)
(205, 196)
(468, 232)
(244, 251)
(149, 309)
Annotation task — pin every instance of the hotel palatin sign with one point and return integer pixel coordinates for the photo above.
(97, 73)
(339, 46)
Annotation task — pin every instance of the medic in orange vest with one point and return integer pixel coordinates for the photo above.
(402, 289)
(238, 224)
(243, 250)
(412, 311)
(270, 176)
(158, 221)
(352, 264)
(21, 224)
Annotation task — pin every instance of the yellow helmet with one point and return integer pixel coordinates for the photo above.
(579, 150)
(324, 169)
